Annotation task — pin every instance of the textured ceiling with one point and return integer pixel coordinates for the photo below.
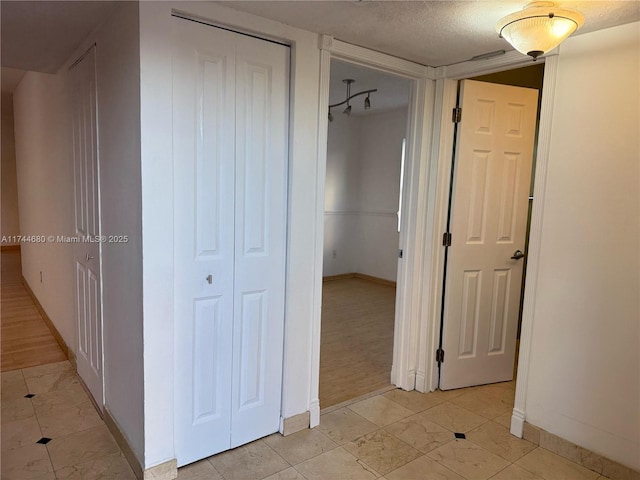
(41, 35)
(393, 92)
(431, 33)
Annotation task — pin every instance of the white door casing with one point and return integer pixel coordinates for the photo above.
(493, 160)
(230, 119)
(87, 251)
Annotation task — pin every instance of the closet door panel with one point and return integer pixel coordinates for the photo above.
(260, 240)
(204, 160)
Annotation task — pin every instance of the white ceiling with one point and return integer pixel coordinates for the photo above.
(42, 35)
(393, 91)
(427, 32)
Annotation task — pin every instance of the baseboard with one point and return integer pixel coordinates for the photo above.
(361, 276)
(341, 276)
(165, 471)
(295, 423)
(517, 423)
(421, 382)
(577, 454)
(54, 331)
(381, 281)
(122, 442)
(314, 414)
(7, 248)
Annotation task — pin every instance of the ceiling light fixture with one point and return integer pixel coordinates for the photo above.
(347, 110)
(539, 27)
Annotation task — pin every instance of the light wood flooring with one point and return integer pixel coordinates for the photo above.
(25, 340)
(356, 347)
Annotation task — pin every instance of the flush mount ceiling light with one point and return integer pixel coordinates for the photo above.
(539, 27)
(347, 110)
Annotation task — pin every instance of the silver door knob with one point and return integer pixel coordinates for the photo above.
(517, 255)
(209, 279)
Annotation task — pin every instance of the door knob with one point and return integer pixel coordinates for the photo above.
(89, 257)
(517, 255)
(209, 279)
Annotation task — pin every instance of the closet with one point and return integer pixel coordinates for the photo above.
(230, 126)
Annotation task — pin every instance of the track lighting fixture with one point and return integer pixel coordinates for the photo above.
(347, 110)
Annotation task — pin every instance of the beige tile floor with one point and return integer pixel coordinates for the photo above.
(391, 436)
(399, 436)
(81, 447)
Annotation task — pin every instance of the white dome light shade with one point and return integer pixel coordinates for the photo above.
(539, 27)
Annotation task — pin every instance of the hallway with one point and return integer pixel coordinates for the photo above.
(26, 341)
(50, 427)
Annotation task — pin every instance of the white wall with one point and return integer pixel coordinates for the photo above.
(10, 224)
(157, 212)
(342, 189)
(45, 185)
(361, 194)
(380, 153)
(584, 377)
(118, 74)
(45, 181)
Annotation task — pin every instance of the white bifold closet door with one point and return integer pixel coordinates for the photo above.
(230, 116)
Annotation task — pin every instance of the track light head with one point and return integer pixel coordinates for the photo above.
(347, 111)
(367, 103)
(330, 116)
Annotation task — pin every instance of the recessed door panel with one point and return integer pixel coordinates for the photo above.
(470, 313)
(210, 90)
(499, 311)
(478, 197)
(508, 206)
(207, 360)
(253, 348)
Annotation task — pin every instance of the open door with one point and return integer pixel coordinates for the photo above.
(488, 222)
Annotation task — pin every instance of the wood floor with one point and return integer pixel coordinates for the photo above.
(25, 340)
(356, 347)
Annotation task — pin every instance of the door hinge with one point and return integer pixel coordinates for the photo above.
(440, 355)
(400, 253)
(446, 239)
(456, 116)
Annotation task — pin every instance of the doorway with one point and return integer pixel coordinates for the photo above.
(490, 199)
(362, 224)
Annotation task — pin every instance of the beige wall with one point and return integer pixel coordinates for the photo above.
(584, 378)
(10, 223)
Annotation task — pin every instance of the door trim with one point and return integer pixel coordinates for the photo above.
(446, 91)
(404, 371)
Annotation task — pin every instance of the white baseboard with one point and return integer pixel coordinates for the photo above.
(314, 414)
(517, 423)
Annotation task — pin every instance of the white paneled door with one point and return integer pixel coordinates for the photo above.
(230, 117)
(87, 225)
(489, 210)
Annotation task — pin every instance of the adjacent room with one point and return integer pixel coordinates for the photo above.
(363, 218)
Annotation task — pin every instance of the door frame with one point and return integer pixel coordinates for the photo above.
(412, 238)
(446, 98)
